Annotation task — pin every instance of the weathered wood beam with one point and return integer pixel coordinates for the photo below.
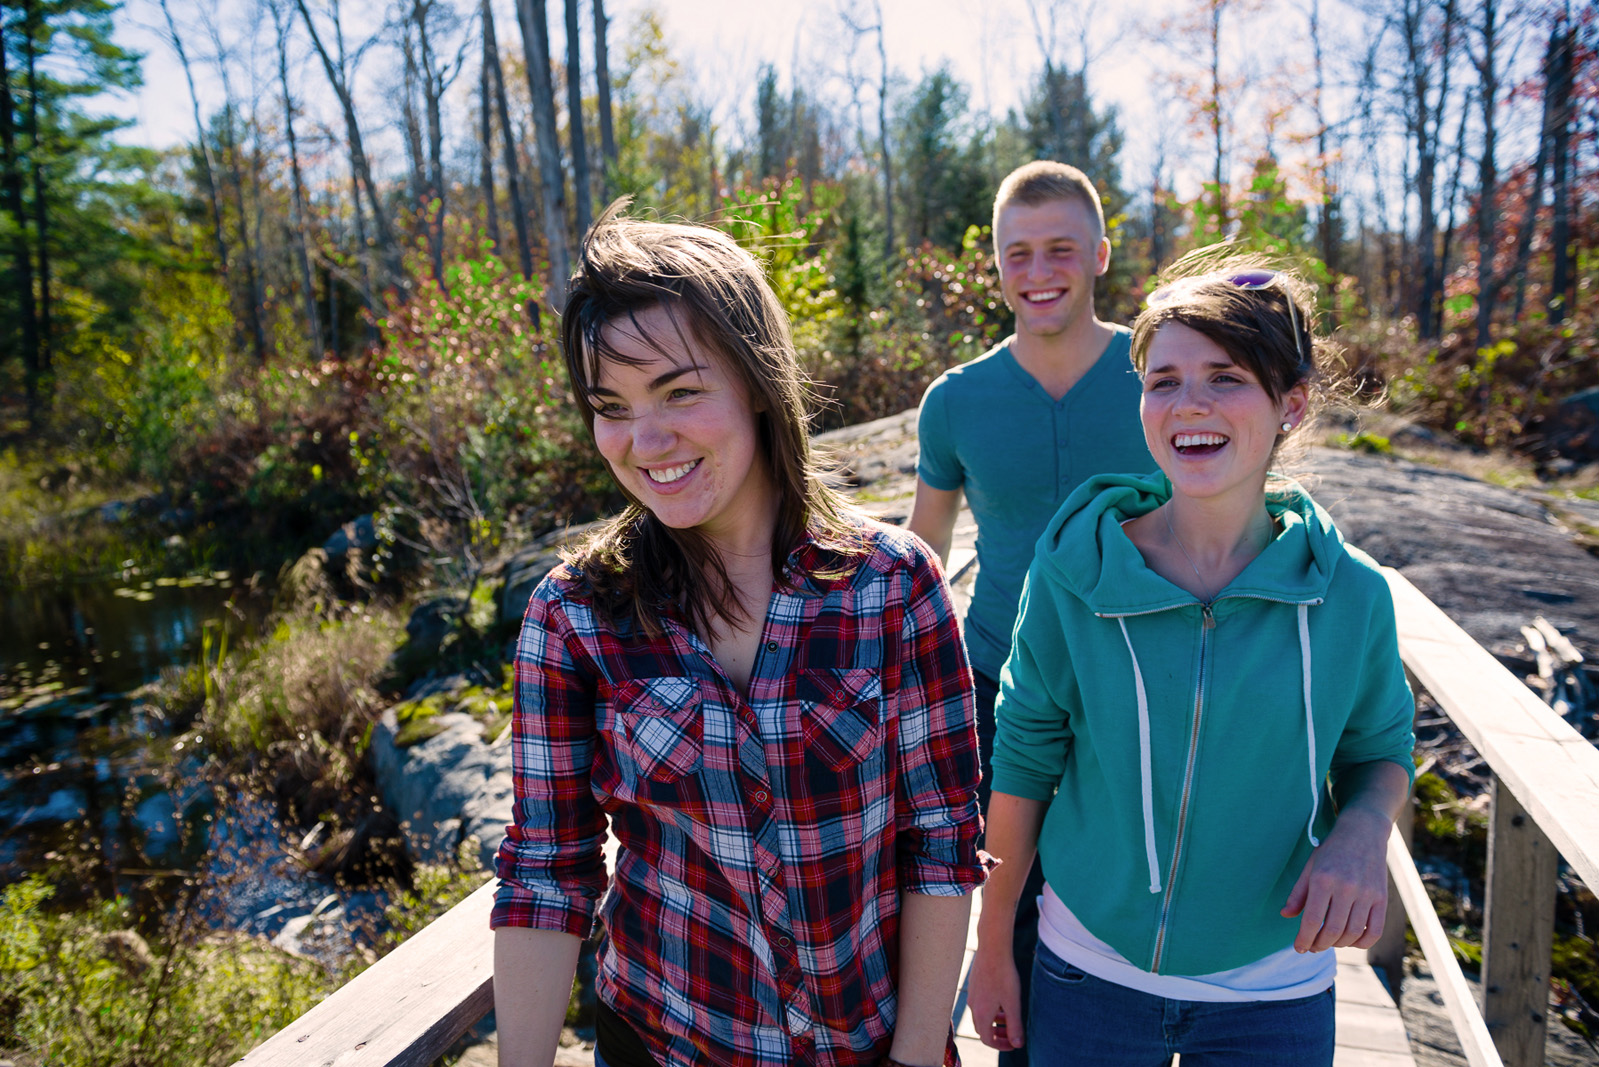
(1552, 770)
(1518, 932)
(406, 1009)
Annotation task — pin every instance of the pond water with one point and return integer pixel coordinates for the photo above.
(86, 763)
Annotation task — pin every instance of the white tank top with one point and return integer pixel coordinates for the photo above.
(1283, 975)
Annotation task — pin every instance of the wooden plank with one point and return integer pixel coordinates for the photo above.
(1370, 1031)
(1519, 932)
(1549, 767)
(1458, 998)
(404, 1010)
(1388, 954)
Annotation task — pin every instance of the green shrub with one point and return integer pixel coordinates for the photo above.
(83, 989)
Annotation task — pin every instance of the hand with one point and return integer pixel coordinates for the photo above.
(995, 997)
(1342, 894)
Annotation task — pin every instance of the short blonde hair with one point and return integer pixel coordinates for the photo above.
(1044, 180)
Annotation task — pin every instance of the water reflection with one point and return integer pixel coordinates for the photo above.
(83, 763)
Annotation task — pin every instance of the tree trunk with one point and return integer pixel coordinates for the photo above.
(582, 196)
(1487, 176)
(41, 221)
(201, 142)
(602, 81)
(1529, 218)
(1562, 289)
(412, 123)
(491, 213)
(1446, 247)
(1329, 223)
(1425, 122)
(388, 248)
(536, 50)
(435, 79)
(889, 245)
(252, 273)
(300, 237)
(513, 168)
(1217, 126)
(22, 254)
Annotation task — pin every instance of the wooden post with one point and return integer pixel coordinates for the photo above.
(1388, 955)
(1518, 932)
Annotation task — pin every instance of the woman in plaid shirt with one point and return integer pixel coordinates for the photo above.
(763, 691)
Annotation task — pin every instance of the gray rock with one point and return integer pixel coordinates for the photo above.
(447, 788)
(525, 569)
(1492, 558)
(1432, 1032)
(358, 534)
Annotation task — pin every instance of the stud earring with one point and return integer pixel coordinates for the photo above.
(1287, 426)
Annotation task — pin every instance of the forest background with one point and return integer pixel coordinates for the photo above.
(336, 296)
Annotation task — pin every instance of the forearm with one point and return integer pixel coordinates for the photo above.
(933, 515)
(932, 942)
(533, 972)
(1012, 838)
(1374, 791)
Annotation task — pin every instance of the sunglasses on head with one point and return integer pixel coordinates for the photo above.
(1252, 278)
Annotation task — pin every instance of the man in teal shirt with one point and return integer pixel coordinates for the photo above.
(1018, 428)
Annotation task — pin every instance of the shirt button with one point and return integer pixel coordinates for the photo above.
(783, 942)
(760, 796)
(771, 646)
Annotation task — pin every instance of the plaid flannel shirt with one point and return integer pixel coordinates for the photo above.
(754, 913)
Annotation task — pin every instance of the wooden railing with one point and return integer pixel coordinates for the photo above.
(413, 1004)
(1545, 805)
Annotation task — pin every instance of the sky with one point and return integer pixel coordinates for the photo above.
(994, 47)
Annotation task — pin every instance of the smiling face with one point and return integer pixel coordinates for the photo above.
(1209, 423)
(1049, 255)
(680, 433)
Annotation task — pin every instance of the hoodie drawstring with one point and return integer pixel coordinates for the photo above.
(1310, 723)
(1145, 774)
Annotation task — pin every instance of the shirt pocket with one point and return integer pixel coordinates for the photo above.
(662, 726)
(841, 714)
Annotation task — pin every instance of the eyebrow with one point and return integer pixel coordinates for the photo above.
(655, 383)
(1212, 365)
(1047, 242)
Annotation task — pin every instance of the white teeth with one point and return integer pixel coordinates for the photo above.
(671, 474)
(1040, 298)
(1190, 440)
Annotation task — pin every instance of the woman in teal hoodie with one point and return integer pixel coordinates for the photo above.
(1204, 725)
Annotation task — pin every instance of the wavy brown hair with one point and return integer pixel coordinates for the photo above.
(636, 566)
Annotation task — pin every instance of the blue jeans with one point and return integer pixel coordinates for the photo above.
(1025, 932)
(1078, 1020)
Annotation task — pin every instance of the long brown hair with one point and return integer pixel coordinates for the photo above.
(637, 566)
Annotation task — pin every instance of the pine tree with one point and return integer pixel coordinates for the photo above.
(62, 178)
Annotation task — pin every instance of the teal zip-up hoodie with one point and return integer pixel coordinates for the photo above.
(1190, 753)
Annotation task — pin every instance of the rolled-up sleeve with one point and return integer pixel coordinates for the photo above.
(936, 796)
(550, 865)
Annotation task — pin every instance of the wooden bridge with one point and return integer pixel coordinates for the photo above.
(413, 1004)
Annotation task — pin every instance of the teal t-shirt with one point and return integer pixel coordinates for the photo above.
(989, 428)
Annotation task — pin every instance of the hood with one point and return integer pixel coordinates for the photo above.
(1084, 548)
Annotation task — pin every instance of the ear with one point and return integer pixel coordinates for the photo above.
(1295, 404)
(1102, 260)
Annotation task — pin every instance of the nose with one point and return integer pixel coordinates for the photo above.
(652, 437)
(1037, 267)
(1192, 398)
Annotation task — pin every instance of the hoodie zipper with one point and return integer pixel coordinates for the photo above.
(1188, 784)
(1208, 612)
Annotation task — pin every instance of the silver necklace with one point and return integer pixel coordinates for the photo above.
(1181, 548)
